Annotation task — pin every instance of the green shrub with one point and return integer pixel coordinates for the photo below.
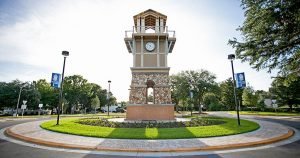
(198, 121)
(215, 107)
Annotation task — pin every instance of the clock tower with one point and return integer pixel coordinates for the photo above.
(150, 42)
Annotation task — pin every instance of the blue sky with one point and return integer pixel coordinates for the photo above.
(33, 33)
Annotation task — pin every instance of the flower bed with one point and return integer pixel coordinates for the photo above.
(198, 121)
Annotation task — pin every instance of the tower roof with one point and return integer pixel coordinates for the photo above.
(150, 16)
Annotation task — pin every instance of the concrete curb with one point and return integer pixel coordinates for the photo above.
(10, 133)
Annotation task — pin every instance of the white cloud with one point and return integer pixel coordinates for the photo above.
(93, 32)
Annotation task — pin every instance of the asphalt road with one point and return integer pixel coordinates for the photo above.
(12, 150)
(285, 151)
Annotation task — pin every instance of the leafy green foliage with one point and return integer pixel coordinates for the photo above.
(31, 95)
(95, 103)
(9, 93)
(211, 101)
(286, 94)
(197, 82)
(271, 36)
(210, 98)
(77, 93)
(215, 107)
(227, 94)
(49, 95)
(250, 99)
(100, 93)
(123, 104)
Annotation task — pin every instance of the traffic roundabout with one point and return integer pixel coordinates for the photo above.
(31, 132)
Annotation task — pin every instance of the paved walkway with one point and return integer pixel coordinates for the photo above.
(268, 133)
(227, 114)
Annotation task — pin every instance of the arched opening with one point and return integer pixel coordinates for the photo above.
(150, 92)
(150, 98)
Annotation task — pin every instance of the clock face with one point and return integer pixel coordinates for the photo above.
(150, 46)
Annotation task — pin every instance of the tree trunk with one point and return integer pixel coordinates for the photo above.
(191, 110)
(176, 106)
(200, 109)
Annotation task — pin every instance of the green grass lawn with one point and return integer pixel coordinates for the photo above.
(69, 126)
(266, 113)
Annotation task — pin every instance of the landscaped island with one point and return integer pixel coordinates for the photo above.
(216, 126)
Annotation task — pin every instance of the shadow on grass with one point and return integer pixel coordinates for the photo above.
(175, 133)
(124, 133)
(151, 133)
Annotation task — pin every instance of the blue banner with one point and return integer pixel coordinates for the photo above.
(55, 80)
(240, 80)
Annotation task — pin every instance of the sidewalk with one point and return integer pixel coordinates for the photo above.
(227, 114)
(268, 133)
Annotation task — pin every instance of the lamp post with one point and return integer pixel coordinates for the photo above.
(191, 95)
(231, 57)
(108, 97)
(21, 88)
(65, 54)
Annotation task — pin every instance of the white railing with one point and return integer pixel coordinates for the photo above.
(149, 29)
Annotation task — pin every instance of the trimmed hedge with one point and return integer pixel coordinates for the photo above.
(195, 122)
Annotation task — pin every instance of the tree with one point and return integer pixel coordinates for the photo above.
(123, 104)
(101, 93)
(286, 94)
(179, 90)
(9, 93)
(271, 34)
(210, 98)
(201, 82)
(85, 96)
(95, 103)
(77, 92)
(49, 95)
(112, 100)
(227, 94)
(250, 98)
(262, 95)
(31, 95)
(211, 101)
(197, 82)
(103, 97)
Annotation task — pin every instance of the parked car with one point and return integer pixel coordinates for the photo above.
(119, 109)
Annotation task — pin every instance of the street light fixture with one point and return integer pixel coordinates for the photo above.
(231, 57)
(21, 88)
(65, 54)
(108, 97)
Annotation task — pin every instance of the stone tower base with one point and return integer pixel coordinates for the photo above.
(150, 112)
